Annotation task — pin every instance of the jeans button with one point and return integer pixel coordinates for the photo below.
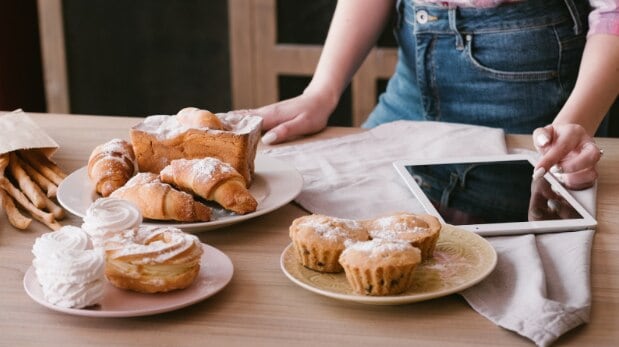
(421, 16)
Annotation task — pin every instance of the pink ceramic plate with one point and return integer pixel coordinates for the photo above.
(215, 273)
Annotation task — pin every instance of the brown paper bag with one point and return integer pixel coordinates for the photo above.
(30, 189)
(19, 131)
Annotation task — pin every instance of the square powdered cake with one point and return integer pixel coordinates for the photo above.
(160, 139)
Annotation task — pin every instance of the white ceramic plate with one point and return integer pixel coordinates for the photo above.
(275, 184)
(461, 259)
(215, 273)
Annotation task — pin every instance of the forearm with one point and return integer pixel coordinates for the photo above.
(597, 85)
(355, 28)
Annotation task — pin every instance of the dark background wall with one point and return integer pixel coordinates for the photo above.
(21, 78)
(145, 57)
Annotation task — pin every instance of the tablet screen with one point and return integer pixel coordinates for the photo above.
(490, 192)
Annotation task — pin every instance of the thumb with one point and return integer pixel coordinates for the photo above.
(287, 131)
(543, 137)
(542, 140)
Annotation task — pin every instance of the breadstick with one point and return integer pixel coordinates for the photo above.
(52, 225)
(43, 165)
(48, 186)
(15, 217)
(44, 217)
(54, 209)
(4, 162)
(31, 190)
(52, 165)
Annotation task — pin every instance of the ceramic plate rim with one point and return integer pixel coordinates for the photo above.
(282, 179)
(396, 299)
(211, 255)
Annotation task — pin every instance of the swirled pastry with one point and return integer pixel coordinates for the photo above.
(152, 259)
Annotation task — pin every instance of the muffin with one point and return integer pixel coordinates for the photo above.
(380, 267)
(420, 230)
(319, 240)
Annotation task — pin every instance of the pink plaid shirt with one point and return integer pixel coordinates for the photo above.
(603, 19)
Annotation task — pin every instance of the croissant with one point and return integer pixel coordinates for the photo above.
(158, 200)
(211, 179)
(192, 117)
(111, 165)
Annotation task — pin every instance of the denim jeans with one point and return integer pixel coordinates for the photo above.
(510, 67)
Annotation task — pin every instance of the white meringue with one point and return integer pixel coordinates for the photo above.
(107, 216)
(70, 272)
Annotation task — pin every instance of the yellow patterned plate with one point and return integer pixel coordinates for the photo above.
(461, 260)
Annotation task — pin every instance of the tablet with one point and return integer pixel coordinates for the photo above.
(493, 195)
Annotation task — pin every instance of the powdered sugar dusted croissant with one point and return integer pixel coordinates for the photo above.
(211, 179)
(111, 165)
(158, 200)
(192, 117)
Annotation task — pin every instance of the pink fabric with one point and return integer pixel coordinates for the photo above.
(603, 19)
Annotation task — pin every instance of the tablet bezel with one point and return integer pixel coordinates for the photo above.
(492, 229)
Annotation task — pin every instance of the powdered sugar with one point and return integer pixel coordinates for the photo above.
(165, 127)
(331, 228)
(204, 169)
(116, 150)
(153, 244)
(377, 247)
(114, 146)
(395, 227)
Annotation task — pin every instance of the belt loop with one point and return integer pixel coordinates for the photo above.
(452, 25)
(398, 11)
(571, 6)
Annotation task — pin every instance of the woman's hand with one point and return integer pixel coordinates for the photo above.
(305, 114)
(545, 204)
(347, 45)
(569, 152)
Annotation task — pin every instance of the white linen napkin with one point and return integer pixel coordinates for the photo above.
(540, 287)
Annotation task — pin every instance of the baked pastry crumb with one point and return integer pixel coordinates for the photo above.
(380, 267)
(319, 240)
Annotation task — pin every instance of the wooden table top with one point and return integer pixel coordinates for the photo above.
(260, 306)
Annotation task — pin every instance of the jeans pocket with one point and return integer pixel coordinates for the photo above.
(531, 54)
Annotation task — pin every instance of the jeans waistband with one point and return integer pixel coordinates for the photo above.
(433, 18)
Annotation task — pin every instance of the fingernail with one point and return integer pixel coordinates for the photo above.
(538, 173)
(553, 205)
(269, 138)
(556, 169)
(560, 177)
(542, 140)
